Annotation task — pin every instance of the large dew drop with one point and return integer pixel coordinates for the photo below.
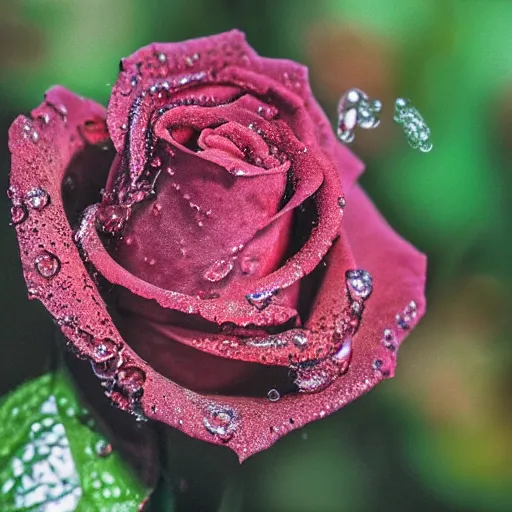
(218, 270)
(111, 218)
(416, 130)
(359, 283)
(47, 264)
(37, 198)
(221, 422)
(356, 109)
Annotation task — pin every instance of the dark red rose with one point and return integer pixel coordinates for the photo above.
(193, 242)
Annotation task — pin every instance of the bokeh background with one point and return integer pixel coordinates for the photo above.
(438, 436)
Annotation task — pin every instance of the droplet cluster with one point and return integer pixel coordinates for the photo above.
(415, 128)
(356, 109)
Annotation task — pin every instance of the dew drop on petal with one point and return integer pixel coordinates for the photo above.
(111, 218)
(47, 264)
(273, 395)
(37, 198)
(405, 319)
(260, 300)
(310, 379)
(218, 270)
(221, 422)
(359, 283)
(104, 350)
(18, 214)
(377, 364)
(300, 340)
(389, 339)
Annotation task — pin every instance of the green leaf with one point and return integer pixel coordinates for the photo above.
(53, 459)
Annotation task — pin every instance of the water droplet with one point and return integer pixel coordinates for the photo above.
(344, 353)
(356, 109)
(407, 316)
(300, 340)
(341, 202)
(18, 214)
(111, 218)
(103, 448)
(162, 57)
(47, 264)
(218, 270)
(359, 283)
(104, 350)
(377, 364)
(156, 162)
(416, 130)
(156, 209)
(37, 198)
(388, 339)
(273, 395)
(131, 381)
(312, 378)
(261, 300)
(221, 422)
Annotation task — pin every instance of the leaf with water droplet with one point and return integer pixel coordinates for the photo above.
(49, 456)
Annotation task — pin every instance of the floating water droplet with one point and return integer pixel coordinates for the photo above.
(218, 270)
(407, 316)
(37, 198)
(300, 340)
(18, 214)
(359, 283)
(273, 395)
(416, 130)
(261, 300)
(356, 109)
(131, 381)
(111, 218)
(47, 264)
(221, 422)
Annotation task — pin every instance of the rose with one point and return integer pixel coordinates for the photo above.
(199, 251)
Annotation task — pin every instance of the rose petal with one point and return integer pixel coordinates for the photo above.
(398, 277)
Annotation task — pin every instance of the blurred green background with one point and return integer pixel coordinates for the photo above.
(437, 437)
